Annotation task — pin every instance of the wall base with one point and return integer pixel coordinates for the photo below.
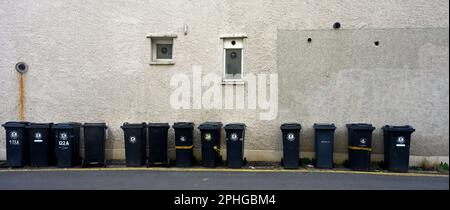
(275, 156)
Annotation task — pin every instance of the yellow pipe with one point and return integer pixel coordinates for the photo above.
(21, 97)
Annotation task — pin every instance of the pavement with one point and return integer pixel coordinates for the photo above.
(214, 179)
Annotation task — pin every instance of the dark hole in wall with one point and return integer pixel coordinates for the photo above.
(337, 25)
(22, 66)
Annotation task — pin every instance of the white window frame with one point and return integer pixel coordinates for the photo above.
(156, 39)
(240, 38)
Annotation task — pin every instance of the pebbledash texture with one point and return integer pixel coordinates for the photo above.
(379, 62)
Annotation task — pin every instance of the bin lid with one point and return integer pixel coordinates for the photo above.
(402, 128)
(95, 125)
(158, 125)
(66, 125)
(183, 125)
(15, 124)
(324, 126)
(210, 126)
(133, 125)
(360, 126)
(291, 126)
(235, 126)
(39, 125)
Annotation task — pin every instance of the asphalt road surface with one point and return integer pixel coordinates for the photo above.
(210, 180)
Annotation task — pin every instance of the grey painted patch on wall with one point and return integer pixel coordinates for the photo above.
(342, 77)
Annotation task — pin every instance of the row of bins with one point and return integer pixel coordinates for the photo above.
(135, 135)
(396, 139)
(324, 139)
(48, 144)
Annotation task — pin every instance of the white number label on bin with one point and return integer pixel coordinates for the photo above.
(14, 142)
(290, 137)
(325, 142)
(182, 138)
(400, 141)
(63, 143)
(38, 137)
(132, 139)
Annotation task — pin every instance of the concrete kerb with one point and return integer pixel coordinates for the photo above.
(242, 170)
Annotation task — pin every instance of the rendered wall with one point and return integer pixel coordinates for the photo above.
(89, 61)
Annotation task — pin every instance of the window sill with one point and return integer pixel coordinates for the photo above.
(234, 36)
(162, 62)
(152, 35)
(233, 82)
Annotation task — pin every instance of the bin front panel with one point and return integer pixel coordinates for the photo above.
(360, 144)
(184, 157)
(184, 136)
(398, 150)
(235, 147)
(184, 146)
(94, 144)
(158, 145)
(41, 147)
(210, 139)
(135, 146)
(66, 146)
(359, 160)
(291, 147)
(17, 147)
(361, 138)
(324, 140)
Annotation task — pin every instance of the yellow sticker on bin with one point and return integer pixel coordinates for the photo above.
(184, 147)
(360, 148)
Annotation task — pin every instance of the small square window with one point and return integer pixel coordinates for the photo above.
(233, 59)
(233, 63)
(162, 49)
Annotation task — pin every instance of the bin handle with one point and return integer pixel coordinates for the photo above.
(360, 148)
(217, 149)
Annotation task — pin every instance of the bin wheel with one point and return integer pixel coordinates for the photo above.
(245, 161)
(220, 159)
(82, 164)
(168, 163)
(282, 162)
(146, 163)
(193, 160)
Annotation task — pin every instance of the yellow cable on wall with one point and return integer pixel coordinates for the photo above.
(21, 97)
